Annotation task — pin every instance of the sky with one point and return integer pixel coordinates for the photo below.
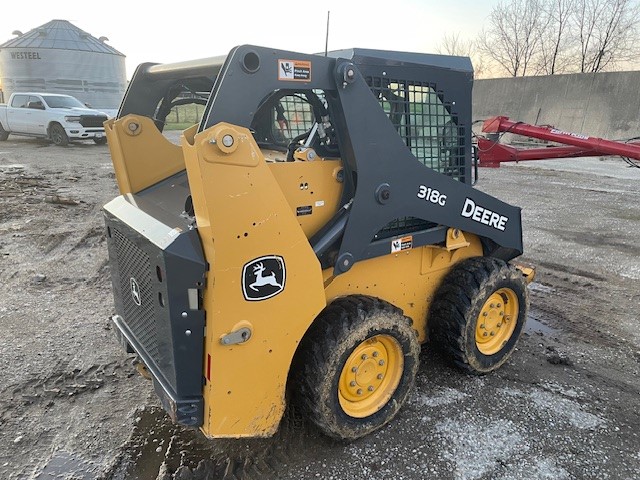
(150, 31)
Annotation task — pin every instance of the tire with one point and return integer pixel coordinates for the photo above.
(100, 141)
(478, 313)
(356, 367)
(3, 134)
(58, 135)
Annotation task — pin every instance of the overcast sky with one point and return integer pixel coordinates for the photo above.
(149, 31)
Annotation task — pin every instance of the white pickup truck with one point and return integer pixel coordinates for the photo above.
(60, 118)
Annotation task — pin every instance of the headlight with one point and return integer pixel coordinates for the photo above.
(72, 119)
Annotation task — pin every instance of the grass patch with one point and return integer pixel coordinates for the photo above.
(183, 116)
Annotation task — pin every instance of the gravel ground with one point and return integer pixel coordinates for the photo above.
(565, 406)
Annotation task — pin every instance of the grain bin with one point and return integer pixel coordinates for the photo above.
(58, 57)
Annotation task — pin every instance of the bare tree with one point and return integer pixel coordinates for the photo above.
(453, 44)
(556, 39)
(607, 31)
(529, 37)
(512, 38)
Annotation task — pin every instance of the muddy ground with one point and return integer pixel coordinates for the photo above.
(72, 405)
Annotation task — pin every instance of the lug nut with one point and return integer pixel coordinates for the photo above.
(352, 383)
(492, 334)
(498, 305)
(354, 369)
(484, 314)
(499, 325)
(502, 314)
(379, 376)
(375, 354)
(381, 362)
(359, 392)
(484, 334)
(482, 325)
(492, 306)
(370, 388)
(364, 356)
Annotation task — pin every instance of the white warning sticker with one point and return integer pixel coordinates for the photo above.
(400, 244)
(294, 70)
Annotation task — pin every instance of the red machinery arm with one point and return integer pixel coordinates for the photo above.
(492, 153)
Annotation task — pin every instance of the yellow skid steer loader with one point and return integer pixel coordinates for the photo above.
(306, 238)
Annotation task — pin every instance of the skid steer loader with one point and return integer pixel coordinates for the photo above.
(306, 238)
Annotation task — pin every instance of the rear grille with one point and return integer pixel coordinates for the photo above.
(134, 264)
(92, 120)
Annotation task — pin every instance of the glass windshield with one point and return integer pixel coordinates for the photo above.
(62, 102)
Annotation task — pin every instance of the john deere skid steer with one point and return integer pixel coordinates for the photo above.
(306, 237)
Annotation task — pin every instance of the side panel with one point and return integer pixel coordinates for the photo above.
(407, 279)
(312, 189)
(242, 213)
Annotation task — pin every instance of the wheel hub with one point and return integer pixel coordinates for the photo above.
(370, 376)
(496, 321)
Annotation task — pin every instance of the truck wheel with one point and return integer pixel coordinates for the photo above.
(58, 135)
(100, 141)
(3, 134)
(358, 365)
(479, 313)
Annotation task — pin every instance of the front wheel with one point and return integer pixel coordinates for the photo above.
(358, 365)
(3, 134)
(479, 313)
(58, 135)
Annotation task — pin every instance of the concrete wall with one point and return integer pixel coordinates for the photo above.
(604, 105)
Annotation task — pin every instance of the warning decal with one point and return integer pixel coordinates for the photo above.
(294, 70)
(399, 244)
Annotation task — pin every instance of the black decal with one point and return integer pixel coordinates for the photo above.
(263, 278)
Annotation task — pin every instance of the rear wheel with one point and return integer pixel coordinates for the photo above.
(3, 134)
(58, 135)
(479, 313)
(358, 364)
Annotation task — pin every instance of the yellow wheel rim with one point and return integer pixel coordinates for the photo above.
(370, 376)
(497, 321)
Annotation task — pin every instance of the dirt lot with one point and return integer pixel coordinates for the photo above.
(72, 405)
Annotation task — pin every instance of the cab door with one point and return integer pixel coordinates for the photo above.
(37, 116)
(18, 115)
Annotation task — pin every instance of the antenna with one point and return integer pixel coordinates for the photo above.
(326, 42)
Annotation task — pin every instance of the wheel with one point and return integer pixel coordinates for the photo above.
(479, 313)
(58, 135)
(100, 141)
(358, 364)
(3, 134)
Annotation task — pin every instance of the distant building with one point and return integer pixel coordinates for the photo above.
(58, 57)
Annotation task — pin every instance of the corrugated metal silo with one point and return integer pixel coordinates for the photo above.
(58, 57)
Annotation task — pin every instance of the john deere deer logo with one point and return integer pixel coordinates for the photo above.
(263, 278)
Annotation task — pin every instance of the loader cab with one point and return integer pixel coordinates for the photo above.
(288, 120)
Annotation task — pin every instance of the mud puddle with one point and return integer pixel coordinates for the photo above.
(535, 325)
(65, 465)
(160, 450)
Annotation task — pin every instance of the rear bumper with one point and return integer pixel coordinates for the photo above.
(158, 273)
(188, 411)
